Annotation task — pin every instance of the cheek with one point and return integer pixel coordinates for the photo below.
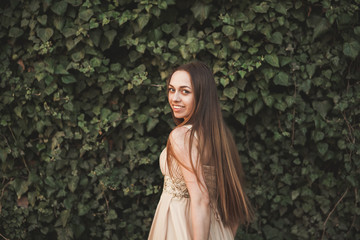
(192, 103)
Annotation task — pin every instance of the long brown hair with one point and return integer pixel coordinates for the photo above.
(216, 146)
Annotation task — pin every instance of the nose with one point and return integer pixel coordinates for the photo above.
(176, 96)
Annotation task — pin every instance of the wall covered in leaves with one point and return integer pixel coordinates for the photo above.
(84, 116)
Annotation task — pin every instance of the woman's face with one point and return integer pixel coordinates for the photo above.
(181, 95)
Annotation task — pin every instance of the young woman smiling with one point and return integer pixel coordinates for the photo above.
(203, 195)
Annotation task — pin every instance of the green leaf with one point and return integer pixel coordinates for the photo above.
(321, 27)
(42, 19)
(68, 79)
(322, 107)
(290, 100)
(45, 34)
(59, 7)
(353, 180)
(327, 73)
(322, 148)
(351, 49)
(295, 194)
(284, 60)
(280, 8)
(310, 69)
(15, 32)
(276, 38)
(143, 20)
(318, 136)
(248, 27)
(282, 79)
(60, 69)
(110, 36)
(69, 106)
(77, 56)
(269, 48)
(32, 198)
(115, 116)
(95, 62)
(3, 155)
(272, 59)
(236, 45)
(95, 36)
(68, 32)
(142, 118)
(268, 73)
(228, 30)
(73, 183)
(111, 215)
(341, 144)
(357, 30)
(18, 111)
(105, 112)
(125, 16)
(115, 67)
(193, 46)
(64, 233)
(59, 22)
(242, 74)
(253, 50)
(163, 4)
(167, 28)
(151, 124)
(251, 96)
(75, 3)
(242, 83)
(261, 8)
(184, 52)
(305, 86)
(230, 92)
(258, 106)
(49, 180)
(173, 44)
(64, 216)
(201, 11)
(20, 186)
(224, 81)
(269, 100)
(83, 209)
(86, 14)
(281, 105)
(241, 117)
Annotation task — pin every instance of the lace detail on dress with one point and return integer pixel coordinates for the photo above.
(175, 187)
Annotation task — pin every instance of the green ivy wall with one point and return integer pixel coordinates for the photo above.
(84, 116)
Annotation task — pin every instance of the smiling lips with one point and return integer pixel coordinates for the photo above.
(177, 108)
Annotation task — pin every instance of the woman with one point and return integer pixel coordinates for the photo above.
(203, 195)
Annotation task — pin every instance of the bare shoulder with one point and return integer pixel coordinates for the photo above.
(180, 132)
(180, 137)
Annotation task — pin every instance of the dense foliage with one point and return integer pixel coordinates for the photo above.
(84, 116)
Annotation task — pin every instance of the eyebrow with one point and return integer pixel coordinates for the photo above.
(180, 86)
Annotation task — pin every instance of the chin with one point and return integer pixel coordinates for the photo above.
(179, 116)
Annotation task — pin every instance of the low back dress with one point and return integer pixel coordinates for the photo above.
(172, 220)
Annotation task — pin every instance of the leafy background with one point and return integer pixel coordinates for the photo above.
(83, 111)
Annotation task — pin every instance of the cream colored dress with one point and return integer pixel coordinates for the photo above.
(172, 220)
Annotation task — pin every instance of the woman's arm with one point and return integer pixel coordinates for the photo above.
(199, 196)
